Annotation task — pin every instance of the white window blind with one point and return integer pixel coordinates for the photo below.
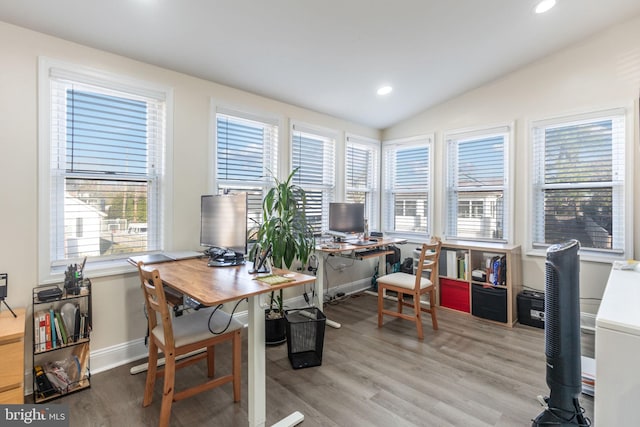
(313, 152)
(477, 199)
(106, 154)
(246, 158)
(362, 176)
(408, 169)
(578, 186)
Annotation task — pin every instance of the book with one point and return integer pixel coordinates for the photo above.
(43, 333)
(61, 327)
(76, 330)
(54, 331)
(451, 264)
(47, 331)
(58, 333)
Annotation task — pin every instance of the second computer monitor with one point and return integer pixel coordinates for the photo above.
(346, 218)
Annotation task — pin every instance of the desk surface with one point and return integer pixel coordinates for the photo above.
(11, 328)
(218, 285)
(346, 246)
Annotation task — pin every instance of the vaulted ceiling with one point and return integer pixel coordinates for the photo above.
(331, 55)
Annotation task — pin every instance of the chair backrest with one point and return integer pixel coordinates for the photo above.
(429, 257)
(156, 302)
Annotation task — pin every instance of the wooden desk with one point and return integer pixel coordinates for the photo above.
(326, 250)
(217, 285)
(12, 356)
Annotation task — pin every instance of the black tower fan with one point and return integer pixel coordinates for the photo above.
(562, 338)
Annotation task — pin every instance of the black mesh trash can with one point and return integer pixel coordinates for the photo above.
(305, 336)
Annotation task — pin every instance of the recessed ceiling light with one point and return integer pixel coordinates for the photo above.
(545, 5)
(385, 90)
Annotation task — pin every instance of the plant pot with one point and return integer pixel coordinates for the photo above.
(275, 329)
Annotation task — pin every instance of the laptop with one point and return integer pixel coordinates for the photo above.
(150, 258)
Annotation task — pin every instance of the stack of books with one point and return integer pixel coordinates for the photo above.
(588, 375)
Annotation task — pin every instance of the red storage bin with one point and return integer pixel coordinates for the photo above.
(454, 294)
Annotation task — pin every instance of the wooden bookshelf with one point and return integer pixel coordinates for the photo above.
(492, 297)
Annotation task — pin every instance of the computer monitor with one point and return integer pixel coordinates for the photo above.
(223, 222)
(346, 218)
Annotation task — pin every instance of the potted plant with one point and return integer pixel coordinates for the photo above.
(284, 226)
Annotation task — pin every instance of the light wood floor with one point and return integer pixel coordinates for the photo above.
(468, 373)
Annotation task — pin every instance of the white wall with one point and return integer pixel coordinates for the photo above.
(118, 316)
(598, 73)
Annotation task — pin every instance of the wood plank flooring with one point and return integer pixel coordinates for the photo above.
(468, 373)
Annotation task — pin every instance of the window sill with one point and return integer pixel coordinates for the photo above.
(93, 270)
(585, 255)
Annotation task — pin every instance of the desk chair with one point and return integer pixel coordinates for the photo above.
(181, 335)
(414, 285)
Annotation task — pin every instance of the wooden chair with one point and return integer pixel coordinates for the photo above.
(415, 286)
(180, 336)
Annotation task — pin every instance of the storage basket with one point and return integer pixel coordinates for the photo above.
(305, 336)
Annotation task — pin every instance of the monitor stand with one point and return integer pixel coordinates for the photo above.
(5, 303)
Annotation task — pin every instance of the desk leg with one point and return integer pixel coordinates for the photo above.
(257, 371)
(322, 259)
(257, 404)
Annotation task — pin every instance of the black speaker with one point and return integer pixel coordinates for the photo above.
(531, 308)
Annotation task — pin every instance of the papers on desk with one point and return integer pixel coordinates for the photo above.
(273, 279)
(626, 265)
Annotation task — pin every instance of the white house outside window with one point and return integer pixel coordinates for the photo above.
(407, 184)
(102, 152)
(477, 198)
(578, 183)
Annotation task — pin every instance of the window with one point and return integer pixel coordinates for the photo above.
(102, 146)
(361, 176)
(246, 157)
(313, 152)
(477, 198)
(407, 177)
(578, 185)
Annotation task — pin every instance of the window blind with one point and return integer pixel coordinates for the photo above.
(246, 158)
(361, 176)
(313, 152)
(578, 189)
(106, 160)
(407, 186)
(477, 192)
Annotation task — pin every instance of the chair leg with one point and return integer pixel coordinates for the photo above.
(400, 301)
(211, 361)
(152, 367)
(432, 309)
(168, 389)
(380, 305)
(237, 365)
(416, 309)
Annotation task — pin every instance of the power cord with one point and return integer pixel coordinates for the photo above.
(230, 317)
(563, 416)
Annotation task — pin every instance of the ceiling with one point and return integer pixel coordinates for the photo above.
(329, 55)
